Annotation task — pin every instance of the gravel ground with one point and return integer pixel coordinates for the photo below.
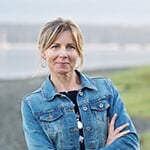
(11, 93)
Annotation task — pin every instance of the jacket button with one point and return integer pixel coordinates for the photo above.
(101, 105)
(81, 93)
(84, 108)
(88, 128)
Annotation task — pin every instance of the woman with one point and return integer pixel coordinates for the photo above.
(72, 111)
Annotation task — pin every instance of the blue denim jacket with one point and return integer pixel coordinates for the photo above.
(49, 120)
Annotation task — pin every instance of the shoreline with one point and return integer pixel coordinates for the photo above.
(96, 71)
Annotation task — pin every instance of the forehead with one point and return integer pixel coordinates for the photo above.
(65, 36)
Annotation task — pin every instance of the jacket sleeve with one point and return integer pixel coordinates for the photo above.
(35, 138)
(130, 141)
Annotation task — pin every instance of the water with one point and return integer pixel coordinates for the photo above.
(17, 63)
(25, 62)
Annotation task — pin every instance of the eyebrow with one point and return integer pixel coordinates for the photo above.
(72, 44)
(67, 43)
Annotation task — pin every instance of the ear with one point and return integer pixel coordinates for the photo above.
(43, 55)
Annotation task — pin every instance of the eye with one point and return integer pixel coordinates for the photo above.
(54, 46)
(71, 46)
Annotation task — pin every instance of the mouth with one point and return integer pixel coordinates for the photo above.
(62, 64)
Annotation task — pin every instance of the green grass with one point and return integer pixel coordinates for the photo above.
(145, 138)
(134, 86)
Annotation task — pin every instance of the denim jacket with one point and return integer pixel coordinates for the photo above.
(49, 120)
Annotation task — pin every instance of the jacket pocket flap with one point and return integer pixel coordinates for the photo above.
(99, 105)
(51, 115)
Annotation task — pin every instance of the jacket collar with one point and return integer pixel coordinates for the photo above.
(49, 91)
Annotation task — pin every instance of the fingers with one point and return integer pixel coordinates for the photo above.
(112, 123)
(113, 119)
(113, 133)
(122, 133)
(119, 129)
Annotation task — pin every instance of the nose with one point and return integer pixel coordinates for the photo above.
(63, 52)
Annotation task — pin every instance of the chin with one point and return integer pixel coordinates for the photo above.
(62, 71)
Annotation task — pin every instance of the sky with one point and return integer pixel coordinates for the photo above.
(83, 11)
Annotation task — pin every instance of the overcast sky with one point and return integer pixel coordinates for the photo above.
(89, 11)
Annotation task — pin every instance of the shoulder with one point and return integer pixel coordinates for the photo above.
(32, 102)
(100, 79)
(36, 94)
(32, 96)
(96, 81)
(105, 81)
(32, 93)
(101, 83)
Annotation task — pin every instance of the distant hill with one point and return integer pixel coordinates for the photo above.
(20, 33)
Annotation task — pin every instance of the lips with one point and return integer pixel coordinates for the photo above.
(63, 63)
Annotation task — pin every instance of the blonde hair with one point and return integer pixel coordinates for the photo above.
(50, 31)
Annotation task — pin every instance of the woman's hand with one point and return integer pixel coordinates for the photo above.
(113, 133)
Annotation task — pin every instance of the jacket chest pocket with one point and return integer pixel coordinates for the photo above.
(51, 120)
(99, 108)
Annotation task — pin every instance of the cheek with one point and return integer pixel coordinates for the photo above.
(50, 61)
(76, 58)
(49, 57)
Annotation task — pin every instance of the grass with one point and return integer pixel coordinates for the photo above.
(134, 86)
(145, 138)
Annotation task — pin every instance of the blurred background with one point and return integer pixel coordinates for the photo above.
(117, 44)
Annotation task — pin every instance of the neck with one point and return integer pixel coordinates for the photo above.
(66, 82)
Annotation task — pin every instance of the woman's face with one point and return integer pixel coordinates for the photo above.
(62, 55)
